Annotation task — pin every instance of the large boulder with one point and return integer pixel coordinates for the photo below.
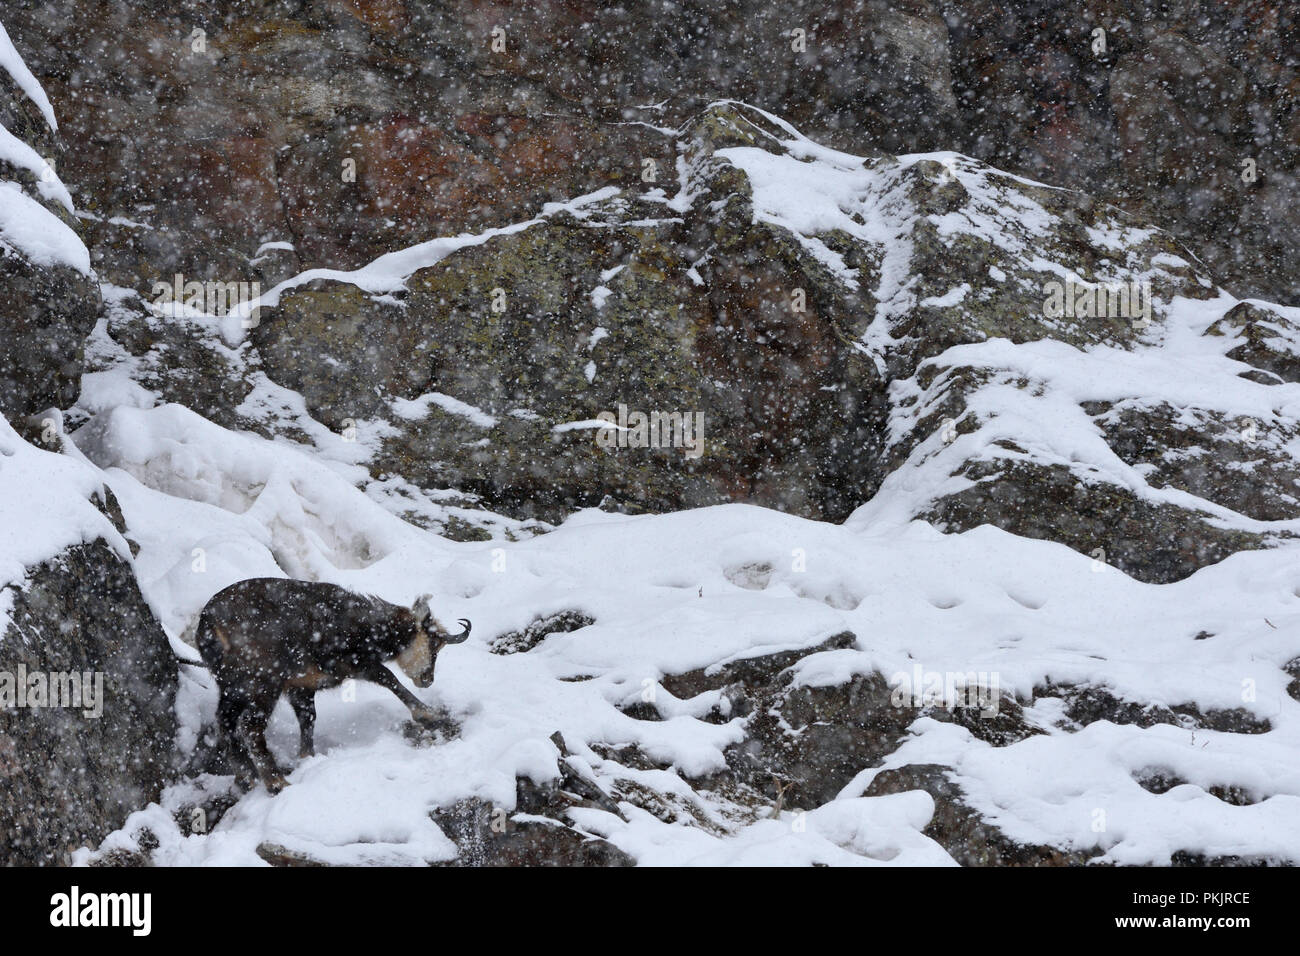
(842, 325)
(87, 677)
(72, 775)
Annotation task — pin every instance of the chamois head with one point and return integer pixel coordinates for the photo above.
(421, 655)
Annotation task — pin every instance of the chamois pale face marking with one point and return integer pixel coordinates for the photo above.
(415, 660)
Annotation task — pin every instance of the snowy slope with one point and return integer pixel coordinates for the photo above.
(663, 593)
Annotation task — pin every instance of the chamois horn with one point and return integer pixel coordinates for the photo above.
(463, 635)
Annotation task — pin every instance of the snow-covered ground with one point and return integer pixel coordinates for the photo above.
(675, 592)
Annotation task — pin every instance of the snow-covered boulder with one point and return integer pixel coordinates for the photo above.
(48, 297)
(87, 678)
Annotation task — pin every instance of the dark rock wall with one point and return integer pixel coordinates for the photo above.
(46, 310)
(244, 140)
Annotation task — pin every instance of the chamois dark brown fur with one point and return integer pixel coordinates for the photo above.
(270, 636)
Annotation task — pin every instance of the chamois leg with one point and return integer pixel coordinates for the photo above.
(303, 701)
(382, 676)
(229, 707)
(251, 729)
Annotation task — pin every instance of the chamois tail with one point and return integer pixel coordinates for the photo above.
(188, 636)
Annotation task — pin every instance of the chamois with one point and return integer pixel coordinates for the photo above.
(266, 636)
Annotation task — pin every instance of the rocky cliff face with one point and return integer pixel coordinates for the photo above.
(50, 299)
(213, 127)
(851, 273)
(86, 676)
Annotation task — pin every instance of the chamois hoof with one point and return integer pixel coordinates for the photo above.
(420, 733)
(275, 784)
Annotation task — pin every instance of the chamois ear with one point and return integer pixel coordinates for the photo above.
(421, 607)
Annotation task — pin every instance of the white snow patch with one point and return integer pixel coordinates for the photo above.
(16, 68)
(416, 408)
(30, 229)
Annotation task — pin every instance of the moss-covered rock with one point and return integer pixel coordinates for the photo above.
(820, 360)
